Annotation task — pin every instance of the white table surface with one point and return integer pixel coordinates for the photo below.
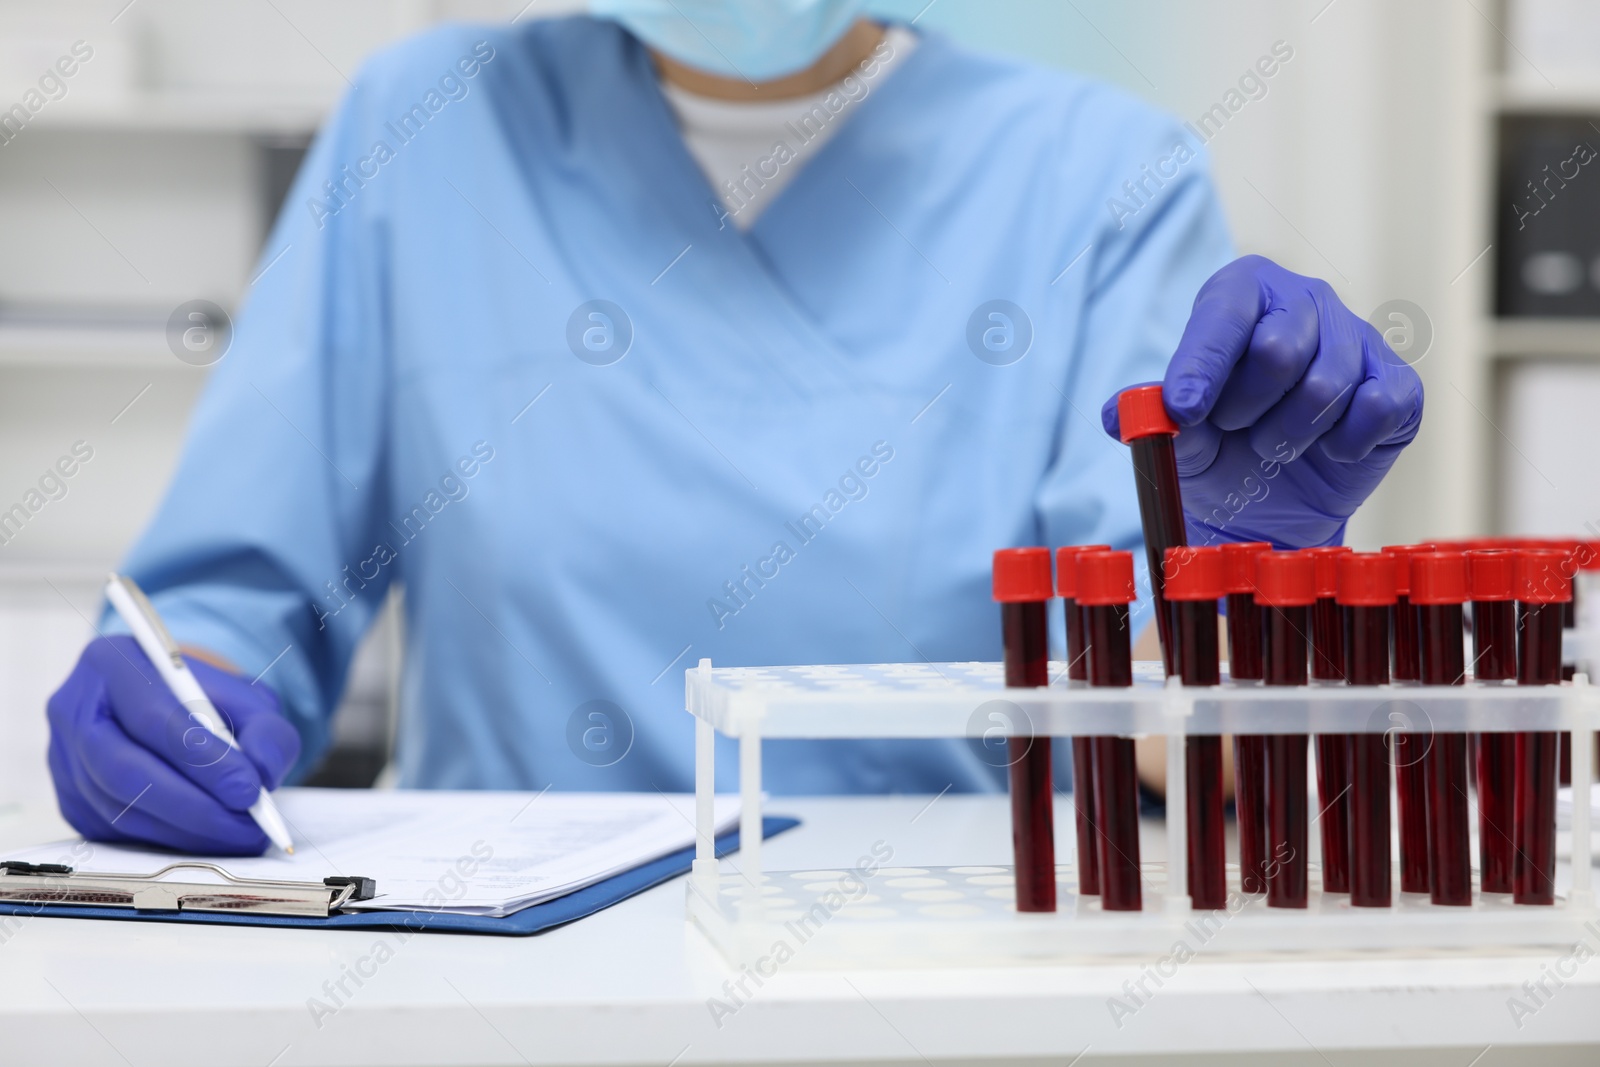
(631, 986)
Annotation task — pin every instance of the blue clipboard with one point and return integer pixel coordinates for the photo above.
(533, 919)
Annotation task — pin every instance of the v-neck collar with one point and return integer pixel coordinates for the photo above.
(686, 198)
(686, 173)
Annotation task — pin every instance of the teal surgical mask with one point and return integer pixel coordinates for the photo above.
(756, 40)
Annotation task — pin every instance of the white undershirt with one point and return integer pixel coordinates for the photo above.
(750, 151)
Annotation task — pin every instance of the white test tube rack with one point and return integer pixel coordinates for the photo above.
(957, 915)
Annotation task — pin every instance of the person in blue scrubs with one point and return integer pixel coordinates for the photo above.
(525, 343)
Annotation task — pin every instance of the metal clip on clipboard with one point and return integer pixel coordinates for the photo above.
(56, 883)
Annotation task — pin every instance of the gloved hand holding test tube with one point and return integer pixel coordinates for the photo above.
(1288, 409)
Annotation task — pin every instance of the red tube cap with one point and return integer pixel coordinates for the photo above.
(1067, 567)
(1402, 566)
(1366, 579)
(1021, 575)
(1193, 573)
(1490, 574)
(1105, 578)
(1327, 568)
(1140, 413)
(1540, 577)
(1285, 579)
(1439, 578)
(1239, 565)
(1477, 544)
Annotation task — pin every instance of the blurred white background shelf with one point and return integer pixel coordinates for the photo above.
(1544, 373)
(1522, 96)
(194, 111)
(1534, 338)
(45, 619)
(136, 341)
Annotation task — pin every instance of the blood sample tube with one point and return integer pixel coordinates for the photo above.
(1249, 750)
(1244, 614)
(1105, 589)
(1286, 588)
(1148, 431)
(1494, 660)
(1408, 749)
(1194, 584)
(1067, 590)
(1333, 750)
(1082, 747)
(1542, 593)
(1327, 623)
(1439, 589)
(1366, 593)
(1022, 586)
(1403, 619)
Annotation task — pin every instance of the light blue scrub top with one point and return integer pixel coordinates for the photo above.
(798, 459)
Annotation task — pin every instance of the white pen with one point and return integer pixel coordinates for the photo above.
(151, 633)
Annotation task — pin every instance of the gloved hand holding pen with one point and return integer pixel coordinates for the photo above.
(131, 764)
(1291, 408)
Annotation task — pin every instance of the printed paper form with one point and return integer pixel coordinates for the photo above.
(468, 851)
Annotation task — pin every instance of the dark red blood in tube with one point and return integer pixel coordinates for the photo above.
(1067, 590)
(1439, 589)
(1494, 614)
(1249, 751)
(1105, 588)
(1541, 595)
(1286, 589)
(1088, 827)
(1327, 625)
(1494, 659)
(1022, 585)
(1366, 592)
(1409, 748)
(1250, 805)
(1244, 615)
(1148, 431)
(1082, 747)
(1333, 819)
(1333, 750)
(1403, 623)
(1194, 584)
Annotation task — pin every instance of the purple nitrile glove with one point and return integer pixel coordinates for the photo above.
(1291, 409)
(131, 764)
